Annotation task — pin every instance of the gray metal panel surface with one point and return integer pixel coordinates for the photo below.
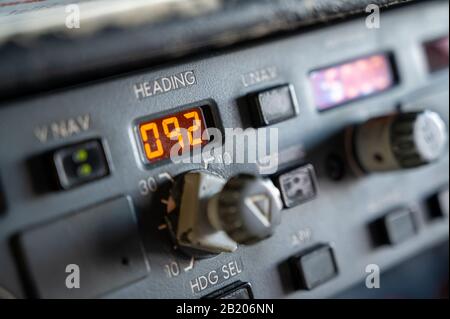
(341, 213)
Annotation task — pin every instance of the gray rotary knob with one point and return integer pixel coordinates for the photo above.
(248, 209)
(400, 141)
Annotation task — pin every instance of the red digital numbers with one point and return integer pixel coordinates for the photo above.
(160, 135)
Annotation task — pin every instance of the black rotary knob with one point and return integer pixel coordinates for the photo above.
(248, 209)
(400, 141)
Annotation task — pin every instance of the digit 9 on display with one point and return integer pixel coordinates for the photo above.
(158, 136)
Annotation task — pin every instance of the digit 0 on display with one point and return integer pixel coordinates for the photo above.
(181, 130)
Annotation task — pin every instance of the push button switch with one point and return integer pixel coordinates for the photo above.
(298, 186)
(237, 290)
(313, 267)
(274, 105)
(79, 164)
(394, 228)
(438, 204)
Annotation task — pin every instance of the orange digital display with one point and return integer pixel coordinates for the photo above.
(180, 130)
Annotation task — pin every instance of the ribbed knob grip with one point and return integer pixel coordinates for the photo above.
(248, 209)
(400, 141)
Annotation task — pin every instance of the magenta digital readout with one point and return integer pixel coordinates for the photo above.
(334, 86)
(437, 52)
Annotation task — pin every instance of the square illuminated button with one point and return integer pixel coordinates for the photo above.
(80, 163)
(399, 226)
(274, 105)
(298, 186)
(237, 290)
(438, 204)
(314, 267)
(394, 228)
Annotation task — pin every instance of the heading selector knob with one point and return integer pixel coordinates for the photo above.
(400, 141)
(210, 215)
(248, 209)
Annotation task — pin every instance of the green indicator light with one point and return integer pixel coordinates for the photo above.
(80, 156)
(85, 170)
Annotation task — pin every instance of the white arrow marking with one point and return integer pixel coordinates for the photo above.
(190, 266)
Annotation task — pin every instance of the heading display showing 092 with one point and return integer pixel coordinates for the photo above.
(158, 136)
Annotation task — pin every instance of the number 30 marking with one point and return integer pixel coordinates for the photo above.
(147, 186)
